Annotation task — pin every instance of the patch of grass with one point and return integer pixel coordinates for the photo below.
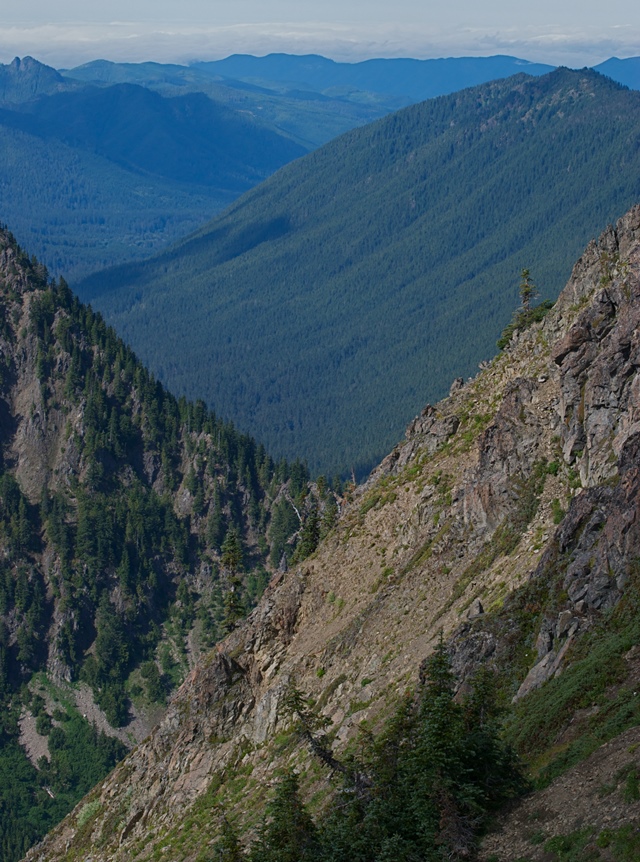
(372, 500)
(424, 552)
(573, 847)
(329, 690)
(623, 844)
(557, 511)
(377, 497)
(87, 812)
(598, 666)
(357, 706)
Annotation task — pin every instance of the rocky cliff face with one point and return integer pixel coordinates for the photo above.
(527, 475)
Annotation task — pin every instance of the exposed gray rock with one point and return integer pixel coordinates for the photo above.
(475, 610)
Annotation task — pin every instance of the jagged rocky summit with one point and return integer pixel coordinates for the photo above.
(508, 519)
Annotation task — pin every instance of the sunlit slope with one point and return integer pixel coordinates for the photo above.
(327, 305)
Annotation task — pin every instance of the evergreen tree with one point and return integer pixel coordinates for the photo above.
(228, 848)
(234, 607)
(528, 290)
(232, 550)
(215, 521)
(288, 834)
(309, 535)
(493, 765)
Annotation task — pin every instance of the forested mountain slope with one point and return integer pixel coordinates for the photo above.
(91, 176)
(324, 306)
(188, 138)
(509, 520)
(135, 530)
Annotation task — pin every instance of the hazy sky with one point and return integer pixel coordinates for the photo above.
(67, 32)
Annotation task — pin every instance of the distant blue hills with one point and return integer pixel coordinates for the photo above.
(145, 153)
(404, 79)
(625, 72)
(408, 79)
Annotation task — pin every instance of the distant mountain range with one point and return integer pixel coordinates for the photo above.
(390, 83)
(307, 115)
(323, 308)
(625, 71)
(93, 175)
(145, 153)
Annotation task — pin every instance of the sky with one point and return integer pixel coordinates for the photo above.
(65, 33)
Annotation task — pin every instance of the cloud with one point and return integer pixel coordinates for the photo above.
(68, 45)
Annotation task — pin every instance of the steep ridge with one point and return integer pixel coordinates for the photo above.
(508, 519)
(325, 306)
(134, 529)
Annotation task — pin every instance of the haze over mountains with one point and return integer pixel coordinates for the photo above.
(99, 206)
(132, 170)
(326, 305)
(408, 80)
(391, 83)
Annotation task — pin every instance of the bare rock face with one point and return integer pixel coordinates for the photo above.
(596, 547)
(528, 473)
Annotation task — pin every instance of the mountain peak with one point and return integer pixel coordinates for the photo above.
(25, 79)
